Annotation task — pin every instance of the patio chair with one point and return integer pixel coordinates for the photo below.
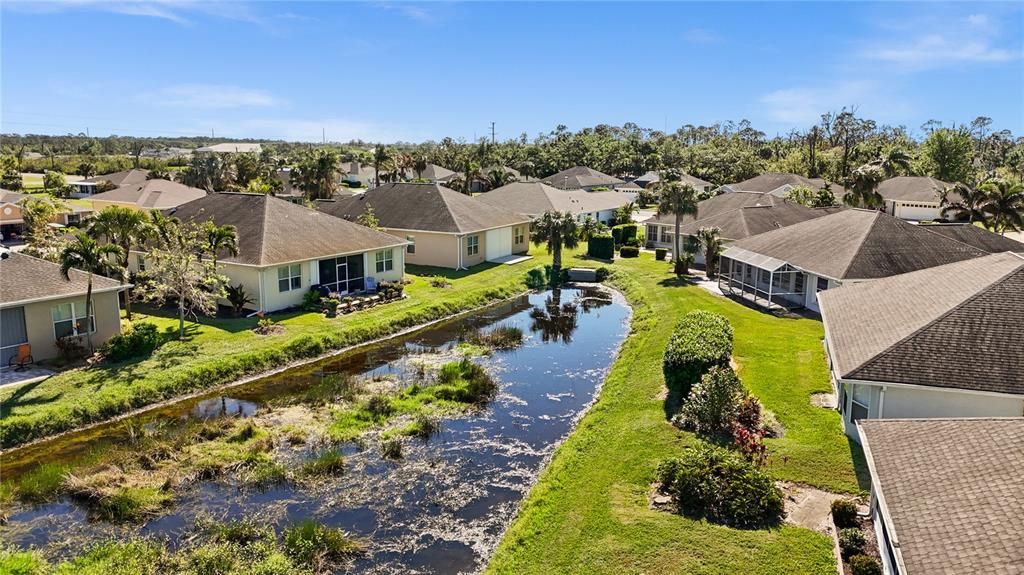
(24, 358)
(370, 285)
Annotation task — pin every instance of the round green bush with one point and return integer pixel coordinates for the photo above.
(864, 565)
(140, 340)
(629, 251)
(660, 254)
(851, 541)
(700, 341)
(844, 513)
(714, 403)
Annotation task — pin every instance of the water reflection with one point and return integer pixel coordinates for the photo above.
(556, 321)
(223, 406)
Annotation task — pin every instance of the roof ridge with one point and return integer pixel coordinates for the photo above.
(263, 228)
(863, 237)
(447, 206)
(981, 291)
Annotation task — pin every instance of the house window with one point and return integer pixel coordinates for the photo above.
(141, 263)
(472, 245)
(822, 284)
(519, 235)
(289, 278)
(385, 261)
(411, 248)
(860, 402)
(798, 285)
(69, 319)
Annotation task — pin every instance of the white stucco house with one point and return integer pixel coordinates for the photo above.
(914, 198)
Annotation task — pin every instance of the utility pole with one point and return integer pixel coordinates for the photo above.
(323, 136)
(87, 132)
(211, 133)
(492, 134)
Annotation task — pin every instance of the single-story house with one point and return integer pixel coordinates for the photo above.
(444, 228)
(230, 148)
(90, 186)
(434, 173)
(38, 307)
(947, 494)
(779, 184)
(978, 237)
(148, 195)
(285, 248)
(737, 215)
(653, 176)
(914, 198)
(938, 342)
(12, 225)
(532, 199)
(582, 178)
(359, 174)
(789, 266)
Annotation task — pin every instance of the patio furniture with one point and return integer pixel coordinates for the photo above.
(24, 358)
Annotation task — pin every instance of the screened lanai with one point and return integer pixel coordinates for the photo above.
(761, 279)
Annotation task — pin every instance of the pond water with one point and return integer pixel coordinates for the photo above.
(440, 509)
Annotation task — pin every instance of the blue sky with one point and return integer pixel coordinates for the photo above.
(417, 71)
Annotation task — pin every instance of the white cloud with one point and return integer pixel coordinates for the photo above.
(804, 105)
(973, 39)
(211, 96)
(701, 36)
(176, 11)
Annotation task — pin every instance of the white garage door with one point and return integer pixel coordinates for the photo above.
(498, 243)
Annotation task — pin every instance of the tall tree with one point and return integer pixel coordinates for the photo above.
(125, 228)
(862, 187)
(676, 198)
(86, 255)
(948, 154)
(710, 239)
(556, 230)
(893, 162)
(316, 173)
(964, 203)
(37, 211)
(1004, 204)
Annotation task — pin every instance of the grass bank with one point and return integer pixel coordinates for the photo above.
(589, 511)
(219, 351)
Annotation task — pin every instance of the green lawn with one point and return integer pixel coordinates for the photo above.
(220, 351)
(589, 511)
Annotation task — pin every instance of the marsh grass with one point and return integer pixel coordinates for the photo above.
(42, 483)
(318, 546)
(391, 448)
(264, 473)
(502, 337)
(329, 462)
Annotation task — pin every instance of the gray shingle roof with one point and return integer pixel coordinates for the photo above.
(912, 189)
(858, 244)
(135, 176)
(741, 220)
(9, 197)
(953, 490)
(653, 176)
(772, 181)
(580, 177)
(720, 204)
(273, 231)
(425, 207)
(152, 194)
(24, 278)
(980, 238)
(534, 198)
(952, 326)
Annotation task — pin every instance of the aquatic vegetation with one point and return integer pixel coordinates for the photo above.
(423, 426)
(15, 562)
(113, 495)
(391, 449)
(329, 462)
(264, 473)
(503, 337)
(318, 546)
(137, 557)
(41, 483)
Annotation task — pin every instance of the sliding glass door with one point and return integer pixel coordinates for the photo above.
(343, 274)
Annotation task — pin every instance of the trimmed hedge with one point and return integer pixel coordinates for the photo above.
(701, 340)
(626, 233)
(601, 247)
(629, 251)
(660, 254)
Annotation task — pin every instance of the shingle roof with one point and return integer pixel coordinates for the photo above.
(653, 176)
(720, 204)
(952, 326)
(9, 197)
(426, 207)
(752, 220)
(436, 173)
(24, 278)
(772, 182)
(953, 491)
(152, 194)
(980, 238)
(273, 231)
(136, 176)
(534, 198)
(858, 244)
(580, 177)
(912, 189)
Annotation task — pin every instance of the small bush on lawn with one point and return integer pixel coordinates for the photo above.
(602, 273)
(718, 484)
(864, 565)
(660, 254)
(440, 282)
(629, 251)
(713, 404)
(140, 340)
(601, 247)
(844, 513)
(851, 541)
(700, 341)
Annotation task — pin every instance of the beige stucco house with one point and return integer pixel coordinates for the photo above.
(443, 227)
(284, 249)
(532, 199)
(38, 306)
(147, 195)
(12, 224)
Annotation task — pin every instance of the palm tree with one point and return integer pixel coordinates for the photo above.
(85, 254)
(1004, 203)
(862, 187)
(420, 165)
(472, 174)
(711, 239)
(220, 238)
(315, 173)
(87, 169)
(969, 207)
(590, 228)
(498, 177)
(381, 158)
(624, 213)
(893, 162)
(124, 228)
(677, 198)
(556, 230)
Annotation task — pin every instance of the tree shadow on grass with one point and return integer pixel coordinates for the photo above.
(17, 399)
(673, 402)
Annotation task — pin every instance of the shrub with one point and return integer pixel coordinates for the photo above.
(629, 251)
(633, 242)
(311, 300)
(380, 406)
(617, 235)
(660, 254)
(844, 513)
(601, 247)
(535, 278)
(139, 340)
(749, 414)
(750, 444)
(391, 449)
(717, 484)
(851, 541)
(602, 273)
(714, 403)
(327, 463)
(441, 282)
(627, 233)
(700, 341)
(864, 565)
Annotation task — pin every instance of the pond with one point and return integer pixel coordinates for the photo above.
(442, 507)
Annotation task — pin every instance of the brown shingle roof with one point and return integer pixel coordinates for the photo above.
(771, 181)
(425, 207)
(720, 204)
(580, 177)
(912, 189)
(152, 194)
(135, 176)
(653, 176)
(25, 278)
(952, 491)
(273, 231)
(858, 244)
(534, 198)
(980, 238)
(951, 326)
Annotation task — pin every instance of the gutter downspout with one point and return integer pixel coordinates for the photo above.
(458, 246)
(262, 300)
